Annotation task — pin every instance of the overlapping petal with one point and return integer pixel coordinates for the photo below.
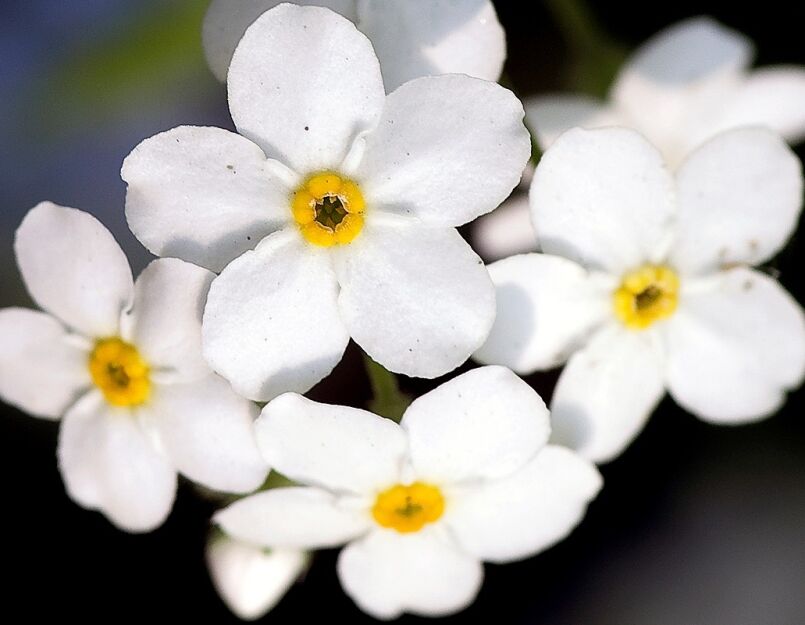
(447, 149)
(417, 300)
(336, 447)
(546, 305)
(204, 195)
(307, 96)
(74, 269)
(735, 347)
(272, 323)
(550, 115)
(483, 424)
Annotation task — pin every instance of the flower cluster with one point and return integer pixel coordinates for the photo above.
(363, 142)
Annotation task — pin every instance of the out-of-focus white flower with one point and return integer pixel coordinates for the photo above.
(251, 579)
(466, 477)
(645, 284)
(680, 88)
(121, 362)
(683, 86)
(412, 38)
(334, 214)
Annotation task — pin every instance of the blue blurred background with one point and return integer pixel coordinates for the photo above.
(697, 525)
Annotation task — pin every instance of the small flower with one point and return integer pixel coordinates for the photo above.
(645, 284)
(121, 362)
(413, 38)
(334, 214)
(683, 86)
(250, 579)
(465, 477)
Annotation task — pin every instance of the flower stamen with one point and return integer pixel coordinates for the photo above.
(120, 373)
(328, 209)
(408, 507)
(646, 296)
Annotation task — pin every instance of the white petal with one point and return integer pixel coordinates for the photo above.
(41, 371)
(546, 305)
(736, 348)
(388, 573)
(336, 447)
(772, 97)
(551, 115)
(528, 512)
(204, 195)
(603, 198)
(207, 431)
(505, 231)
(417, 300)
(296, 518)
(485, 423)
(447, 149)
(425, 37)
(169, 298)
(249, 579)
(691, 50)
(226, 21)
(271, 323)
(73, 268)
(303, 84)
(109, 464)
(739, 198)
(607, 392)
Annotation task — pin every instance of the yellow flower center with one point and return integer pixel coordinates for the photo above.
(329, 209)
(408, 508)
(647, 295)
(119, 371)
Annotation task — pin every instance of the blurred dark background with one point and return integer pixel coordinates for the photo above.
(697, 525)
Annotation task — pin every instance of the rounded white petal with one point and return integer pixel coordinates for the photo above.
(425, 37)
(303, 84)
(739, 198)
(41, 371)
(336, 447)
(165, 320)
(418, 300)
(603, 198)
(447, 149)
(607, 392)
(550, 115)
(505, 231)
(295, 518)
(388, 573)
(773, 97)
(691, 50)
(485, 423)
(529, 511)
(207, 432)
(272, 323)
(226, 22)
(735, 348)
(74, 269)
(546, 305)
(108, 463)
(204, 195)
(250, 579)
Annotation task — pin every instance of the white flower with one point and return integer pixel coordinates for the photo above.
(645, 283)
(680, 88)
(413, 38)
(334, 214)
(251, 579)
(465, 477)
(121, 362)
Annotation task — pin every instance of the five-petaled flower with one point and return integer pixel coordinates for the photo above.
(121, 362)
(413, 38)
(333, 214)
(645, 283)
(465, 477)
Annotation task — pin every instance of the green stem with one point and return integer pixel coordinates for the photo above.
(388, 400)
